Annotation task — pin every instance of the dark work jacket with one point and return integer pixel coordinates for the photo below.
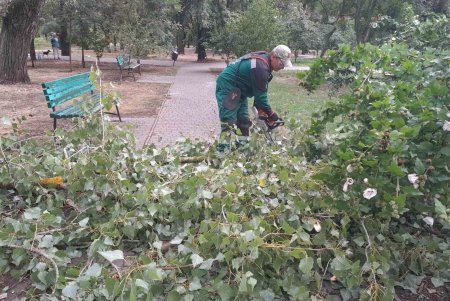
(252, 78)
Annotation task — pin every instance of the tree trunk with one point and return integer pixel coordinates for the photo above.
(63, 36)
(181, 43)
(63, 41)
(363, 18)
(201, 50)
(32, 52)
(326, 44)
(19, 26)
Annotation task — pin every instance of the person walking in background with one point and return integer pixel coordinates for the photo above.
(248, 76)
(55, 46)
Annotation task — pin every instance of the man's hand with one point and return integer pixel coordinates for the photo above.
(272, 121)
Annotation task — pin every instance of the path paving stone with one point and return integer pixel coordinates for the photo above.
(141, 127)
(148, 78)
(191, 109)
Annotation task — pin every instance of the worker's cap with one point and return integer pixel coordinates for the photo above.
(284, 53)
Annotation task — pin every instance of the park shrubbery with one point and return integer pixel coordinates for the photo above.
(355, 208)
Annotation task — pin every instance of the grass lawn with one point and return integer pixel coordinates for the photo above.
(292, 101)
(303, 61)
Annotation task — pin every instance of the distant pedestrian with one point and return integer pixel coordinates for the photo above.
(55, 46)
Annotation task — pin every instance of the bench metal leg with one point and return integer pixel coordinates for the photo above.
(54, 124)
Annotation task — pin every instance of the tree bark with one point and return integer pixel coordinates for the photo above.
(63, 36)
(201, 50)
(363, 18)
(19, 26)
(32, 52)
(181, 43)
(326, 44)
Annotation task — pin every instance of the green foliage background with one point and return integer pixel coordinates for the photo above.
(257, 28)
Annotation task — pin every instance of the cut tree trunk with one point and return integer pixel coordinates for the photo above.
(19, 26)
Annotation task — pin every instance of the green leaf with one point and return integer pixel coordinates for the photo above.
(112, 255)
(94, 270)
(195, 284)
(173, 296)
(267, 295)
(226, 292)
(439, 207)
(83, 222)
(284, 175)
(207, 264)
(396, 170)
(340, 263)
(445, 151)
(207, 194)
(154, 273)
(142, 284)
(32, 213)
(306, 264)
(437, 282)
(129, 231)
(196, 259)
(252, 282)
(419, 167)
(70, 290)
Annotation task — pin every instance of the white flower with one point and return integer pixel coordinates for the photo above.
(413, 178)
(369, 193)
(366, 180)
(349, 168)
(428, 220)
(317, 226)
(446, 126)
(348, 182)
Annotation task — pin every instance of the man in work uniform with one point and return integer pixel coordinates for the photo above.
(248, 76)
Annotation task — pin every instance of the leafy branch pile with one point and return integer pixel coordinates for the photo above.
(353, 211)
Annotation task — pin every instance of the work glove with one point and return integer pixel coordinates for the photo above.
(273, 120)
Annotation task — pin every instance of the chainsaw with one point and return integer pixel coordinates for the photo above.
(266, 125)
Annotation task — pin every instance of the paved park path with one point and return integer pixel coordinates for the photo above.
(190, 109)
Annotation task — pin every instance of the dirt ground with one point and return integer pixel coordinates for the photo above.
(27, 100)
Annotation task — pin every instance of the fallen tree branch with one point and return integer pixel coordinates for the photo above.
(196, 159)
(46, 256)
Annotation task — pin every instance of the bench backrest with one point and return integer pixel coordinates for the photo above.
(62, 90)
(123, 60)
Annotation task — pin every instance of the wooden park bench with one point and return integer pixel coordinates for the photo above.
(78, 89)
(126, 64)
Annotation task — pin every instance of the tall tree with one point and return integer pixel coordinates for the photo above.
(19, 25)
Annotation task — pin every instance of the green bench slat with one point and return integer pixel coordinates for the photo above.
(70, 91)
(59, 88)
(75, 109)
(65, 80)
(66, 97)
